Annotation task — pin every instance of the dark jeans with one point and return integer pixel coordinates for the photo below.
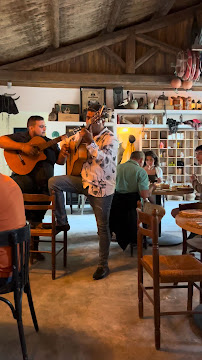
(36, 182)
(101, 207)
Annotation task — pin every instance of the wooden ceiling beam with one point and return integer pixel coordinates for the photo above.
(54, 23)
(147, 40)
(116, 58)
(164, 8)
(49, 79)
(114, 15)
(130, 54)
(167, 20)
(68, 52)
(146, 57)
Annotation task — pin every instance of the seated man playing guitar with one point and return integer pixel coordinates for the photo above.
(19, 148)
(97, 180)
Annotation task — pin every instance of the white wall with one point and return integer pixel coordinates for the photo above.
(40, 101)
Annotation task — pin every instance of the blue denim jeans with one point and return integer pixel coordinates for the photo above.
(101, 207)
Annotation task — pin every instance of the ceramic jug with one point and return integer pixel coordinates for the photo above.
(150, 105)
(134, 104)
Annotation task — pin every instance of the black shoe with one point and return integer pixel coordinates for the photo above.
(101, 272)
(65, 227)
(38, 256)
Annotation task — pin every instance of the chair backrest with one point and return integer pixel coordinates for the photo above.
(152, 231)
(148, 208)
(197, 205)
(40, 202)
(19, 241)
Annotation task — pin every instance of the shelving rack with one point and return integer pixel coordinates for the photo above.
(177, 157)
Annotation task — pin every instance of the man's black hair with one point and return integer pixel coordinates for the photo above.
(198, 148)
(32, 120)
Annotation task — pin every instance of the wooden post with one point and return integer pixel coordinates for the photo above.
(130, 54)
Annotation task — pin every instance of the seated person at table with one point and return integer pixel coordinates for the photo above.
(154, 172)
(197, 185)
(132, 183)
(12, 216)
(151, 165)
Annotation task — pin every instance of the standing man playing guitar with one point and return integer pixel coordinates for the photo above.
(97, 181)
(36, 181)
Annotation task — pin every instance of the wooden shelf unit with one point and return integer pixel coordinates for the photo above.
(177, 148)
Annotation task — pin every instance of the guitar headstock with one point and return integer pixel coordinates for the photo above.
(100, 114)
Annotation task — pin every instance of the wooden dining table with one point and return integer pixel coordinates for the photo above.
(169, 240)
(179, 192)
(193, 225)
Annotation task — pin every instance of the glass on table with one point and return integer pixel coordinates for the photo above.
(169, 181)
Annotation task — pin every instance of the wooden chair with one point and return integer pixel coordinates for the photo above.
(171, 269)
(195, 243)
(19, 241)
(46, 232)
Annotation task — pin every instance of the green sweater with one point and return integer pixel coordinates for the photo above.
(131, 178)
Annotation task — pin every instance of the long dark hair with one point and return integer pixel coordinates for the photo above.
(153, 155)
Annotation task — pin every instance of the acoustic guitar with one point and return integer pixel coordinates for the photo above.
(78, 154)
(23, 164)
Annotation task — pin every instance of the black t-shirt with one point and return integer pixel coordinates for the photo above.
(51, 152)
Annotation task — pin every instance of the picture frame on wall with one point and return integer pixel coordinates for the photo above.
(67, 108)
(19, 129)
(91, 95)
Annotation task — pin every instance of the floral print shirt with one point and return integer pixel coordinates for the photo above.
(99, 171)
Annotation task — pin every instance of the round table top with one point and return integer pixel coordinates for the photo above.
(180, 192)
(189, 224)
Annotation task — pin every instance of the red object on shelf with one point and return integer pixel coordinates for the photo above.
(181, 63)
(188, 66)
(193, 70)
(198, 71)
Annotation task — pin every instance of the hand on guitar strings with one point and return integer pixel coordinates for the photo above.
(87, 136)
(30, 149)
(64, 150)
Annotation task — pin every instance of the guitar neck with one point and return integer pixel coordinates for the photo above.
(57, 139)
(50, 143)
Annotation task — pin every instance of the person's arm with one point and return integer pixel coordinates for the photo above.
(8, 144)
(144, 194)
(196, 184)
(108, 151)
(64, 145)
(62, 157)
(143, 184)
(159, 174)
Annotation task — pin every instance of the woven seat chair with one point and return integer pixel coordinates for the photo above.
(35, 202)
(19, 241)
(163, 269)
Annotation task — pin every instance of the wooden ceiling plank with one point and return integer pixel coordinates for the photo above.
(114, 56)
(147, 40)
(50, 79)
(54, 23)
(114, 15)
(145, 57)
(164, 8)
(86, 46)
